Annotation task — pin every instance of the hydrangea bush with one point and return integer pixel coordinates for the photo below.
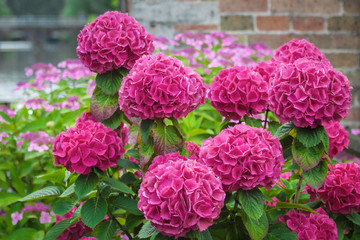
(209, 139)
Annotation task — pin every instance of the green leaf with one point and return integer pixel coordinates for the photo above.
(133, 221)
(257, 229)
(85, 184)
(70, 190)
(128, 204)
(315, 177)
(286, 144)
(308, 136)
(167, 139)
(57, 176)
(61, 207)
(147, 230)
(145, 129)
(145, 153)
(280, 205)
(76, 215)
(93, 211)
(103, 106)
(252, 202)
(325, 141)
(45, 192)
(33, 126)
(118, 185)
(114, 121)
(279, 231)
(284, 130)
(252, 122)
(109, 82)
(205, 235)
(5, 116)
(354, 217)
(7, 198)
(105, 230)
(307, 158)
(125, 163)
(57, 229)
(273, 127)
(23, 233)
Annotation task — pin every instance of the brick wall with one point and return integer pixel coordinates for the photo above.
(332, 25)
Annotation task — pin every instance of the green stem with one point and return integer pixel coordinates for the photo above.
(266, 116)
(298, 187)
(121, 226)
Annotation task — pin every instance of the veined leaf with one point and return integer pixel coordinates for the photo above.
(308, 136)
(45, 192)
(93, 211)
(118, 185)
(307, 157)
(103, 106)
(252, 202)
(316, 176)
(85, 184)
(109, 82)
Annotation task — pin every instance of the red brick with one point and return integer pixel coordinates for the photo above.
(194, 27)
(272, 23)
(308, 23)
(306, 6)
(352, 6)
(338, 41)
(243, 5)
(344, 24)
(339, 60)
(236, 22)
(273, 41)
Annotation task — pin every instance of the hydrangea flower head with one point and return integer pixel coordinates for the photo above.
(338, 138)
(159, 86)
(178, 195)
(237, 91)
(244, 157)
(310, 225)
(74, 69)
(296, 49)
(113, 40)
(265, 69)
(75, 231)
(88, 144)
(309, 93)
(340, 192)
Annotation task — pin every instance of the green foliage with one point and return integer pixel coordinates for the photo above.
(284, 129)
(118, 185)
(127, 204)
(279, 231)
(85, 184)
(93, 211)
(145, 129)
(315, 177)
(147, 230)
(167, 139)
(103, 106)
(310, 137)
(42, 193)
(109, 82)
(105, 230)
(57, 229)
(128, 164)
(307, 157)
(252, 122)
(252, 203)
(257, 229)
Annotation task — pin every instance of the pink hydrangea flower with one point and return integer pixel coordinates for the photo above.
(265, 69)
(88, 144)
(71, 102)
(338, 138)
(296, 49)
(16, 217)
(113, 40)
(5, 109)
(86, 116)
(38, 103)
(193, 149)
(340, 192)
(159, 86)
(309, 93)
(178, 195)
(38, 141)
(45, 218)
(75, 231)
(36, 207)
(244, 157)
(355, 131)
(91, 87)
(309, 225)
(3, 135)
(238, 91)
(74, 69)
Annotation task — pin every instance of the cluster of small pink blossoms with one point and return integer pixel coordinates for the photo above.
(113, 40)
(309, 225)
(309, 93)
(338, 138)
(244, 158)
(341, 190)
(88, 144)
(75, 231)
(159, 86)
(178, 195)
(238, 91)
(38, 141)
